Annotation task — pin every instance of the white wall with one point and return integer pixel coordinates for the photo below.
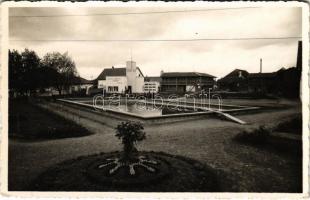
(116, 81)
(139, 85)
(151, 86)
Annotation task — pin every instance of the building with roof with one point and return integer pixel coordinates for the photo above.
(185, 82)
(79, 83)
(241, 81)
(152, 84)
(129, 79)
(237, 80)
(262, 82)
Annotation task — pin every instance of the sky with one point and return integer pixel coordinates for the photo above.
(215, 57)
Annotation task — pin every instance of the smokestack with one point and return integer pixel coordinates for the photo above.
(261, 66)
(299, 56)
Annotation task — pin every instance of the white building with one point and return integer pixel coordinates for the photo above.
(122, 80)
(151, 84)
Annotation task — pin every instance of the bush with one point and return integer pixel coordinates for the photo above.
(130, 133)
(258, 136)
(292, 126)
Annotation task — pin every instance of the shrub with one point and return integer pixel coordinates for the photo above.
(130, 133)
(258, 136)
(293, 126)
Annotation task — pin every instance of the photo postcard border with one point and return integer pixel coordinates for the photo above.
(4, 103)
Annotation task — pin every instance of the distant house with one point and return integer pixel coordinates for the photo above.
(182, 82)
(152, 84)
(262, 82)
(241, 81)
(237, 80)
(79, 83)
(129, 79)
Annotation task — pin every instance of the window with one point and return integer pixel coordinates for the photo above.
(110, 89)
(115, 89)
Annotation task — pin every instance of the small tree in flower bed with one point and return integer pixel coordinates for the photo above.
(130, 133)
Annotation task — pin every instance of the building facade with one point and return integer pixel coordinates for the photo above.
(151, 84)
(122, 80)
(186, 82)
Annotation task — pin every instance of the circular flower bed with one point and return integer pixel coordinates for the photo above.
(151, 172)
(147, 168)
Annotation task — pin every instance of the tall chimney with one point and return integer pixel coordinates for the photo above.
(261, 66)
(299, 56)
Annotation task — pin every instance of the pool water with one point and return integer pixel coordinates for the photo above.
(149, 110)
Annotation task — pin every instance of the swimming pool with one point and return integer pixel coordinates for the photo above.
(145, 109)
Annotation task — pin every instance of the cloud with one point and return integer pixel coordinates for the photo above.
(214, 57)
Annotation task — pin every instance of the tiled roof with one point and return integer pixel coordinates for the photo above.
(112, 72)
(186, 74)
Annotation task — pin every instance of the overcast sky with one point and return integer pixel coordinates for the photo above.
(214, 57)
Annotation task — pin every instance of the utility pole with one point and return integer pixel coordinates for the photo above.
(261, 66)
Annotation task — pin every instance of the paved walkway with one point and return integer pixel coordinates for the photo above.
(204, 139)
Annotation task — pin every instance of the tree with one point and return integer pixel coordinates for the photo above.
(65, 67)
(130, 133)
(48, 77)
(15, 71)
(23, 71)
(30, 67)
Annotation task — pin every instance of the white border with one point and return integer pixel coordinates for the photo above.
(4, 102)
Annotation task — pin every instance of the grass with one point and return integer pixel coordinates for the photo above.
(28, 121)
(264, 150)
(262, 138)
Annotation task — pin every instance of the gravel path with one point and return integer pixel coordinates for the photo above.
(206, 140)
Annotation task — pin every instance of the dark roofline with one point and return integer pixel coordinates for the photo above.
(268, 74)
(152, 78)
(140, 71)
(102, 75)
(189, 74)
(77, 80)
(230, 73)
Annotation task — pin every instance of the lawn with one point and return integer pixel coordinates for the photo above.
(272, 152)
(29, 121)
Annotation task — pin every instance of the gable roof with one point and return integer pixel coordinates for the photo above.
(140, 71)
(234, 76)
(235, 73)
(79, 80)
(111, 72)
(186, 74)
